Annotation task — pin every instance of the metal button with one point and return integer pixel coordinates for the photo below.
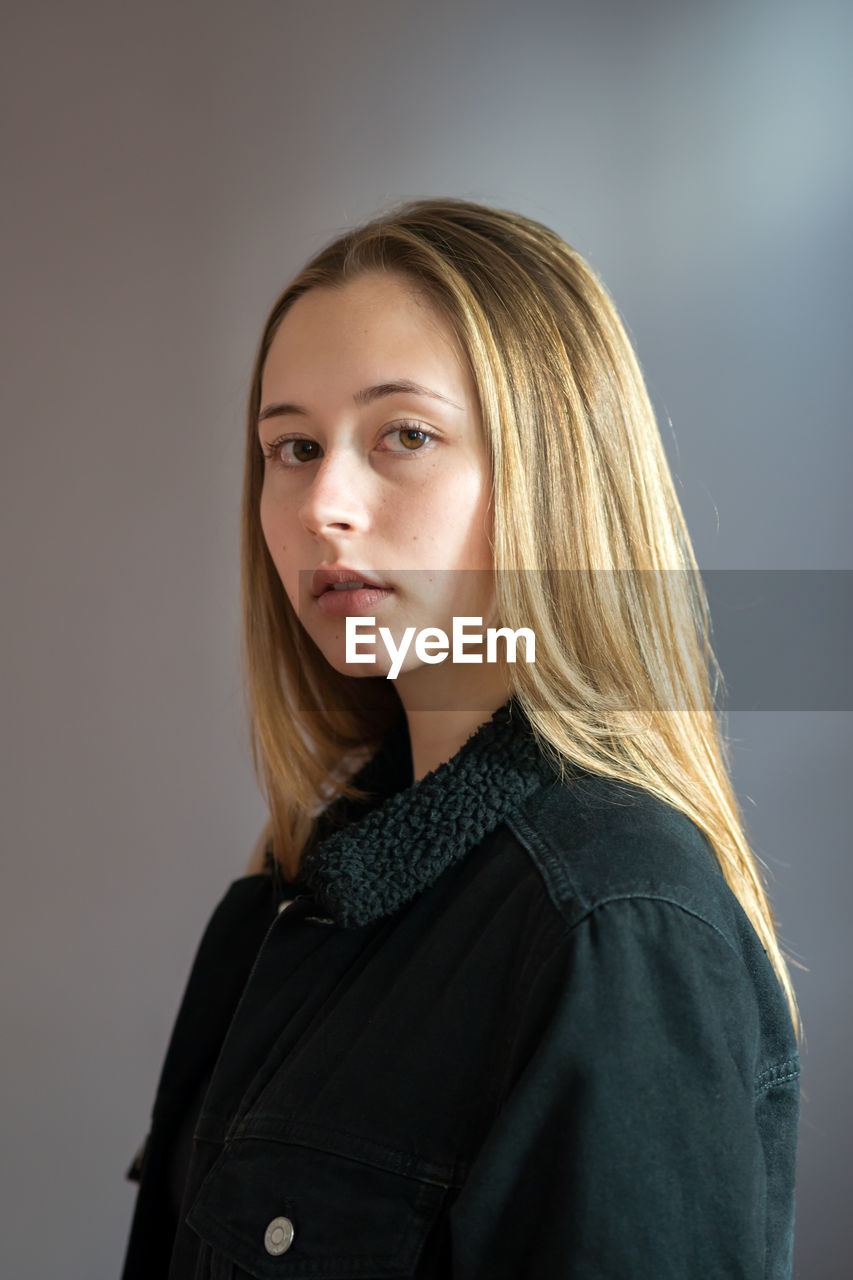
(278, 1236)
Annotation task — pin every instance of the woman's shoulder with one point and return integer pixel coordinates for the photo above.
(596, 841)
(642, 900)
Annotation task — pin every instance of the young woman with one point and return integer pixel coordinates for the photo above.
(500, 994)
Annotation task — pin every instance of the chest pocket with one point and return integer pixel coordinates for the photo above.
(274, 1210)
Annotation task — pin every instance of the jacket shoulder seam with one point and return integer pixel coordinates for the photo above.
(560, 885)
(646, 896)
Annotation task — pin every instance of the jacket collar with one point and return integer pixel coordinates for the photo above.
(368, 859)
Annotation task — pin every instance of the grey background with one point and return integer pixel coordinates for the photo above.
(166, 168)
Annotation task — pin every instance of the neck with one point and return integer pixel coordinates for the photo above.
(441, 720)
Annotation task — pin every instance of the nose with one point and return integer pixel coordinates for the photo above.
(337, 497)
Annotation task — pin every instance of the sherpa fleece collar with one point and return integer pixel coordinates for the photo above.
(368, 860)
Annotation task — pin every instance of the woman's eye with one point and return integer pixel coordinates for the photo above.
(411, 437)
(303, 451)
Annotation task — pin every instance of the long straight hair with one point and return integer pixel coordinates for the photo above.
(590, 546)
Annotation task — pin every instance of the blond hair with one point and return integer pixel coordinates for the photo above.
(590, 545)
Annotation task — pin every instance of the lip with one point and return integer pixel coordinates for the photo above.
(343, 604)
(324, 579)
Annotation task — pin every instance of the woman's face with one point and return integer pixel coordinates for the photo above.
(375, 466)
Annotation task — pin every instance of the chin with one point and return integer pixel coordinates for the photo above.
(359, 670)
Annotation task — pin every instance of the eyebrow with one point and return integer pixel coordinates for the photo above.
(401, 386)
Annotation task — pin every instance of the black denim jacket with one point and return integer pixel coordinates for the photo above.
(507, 1027)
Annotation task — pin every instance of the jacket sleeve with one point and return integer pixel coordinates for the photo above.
(627, 1143)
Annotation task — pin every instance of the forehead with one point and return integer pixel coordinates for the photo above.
(376, 327)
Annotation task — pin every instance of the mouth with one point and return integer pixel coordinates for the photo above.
(340, 591)
(345, 599)
(341, 578)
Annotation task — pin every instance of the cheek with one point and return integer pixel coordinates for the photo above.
(270, 528)
(281, 545)
(462, 517)
(266, 527)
